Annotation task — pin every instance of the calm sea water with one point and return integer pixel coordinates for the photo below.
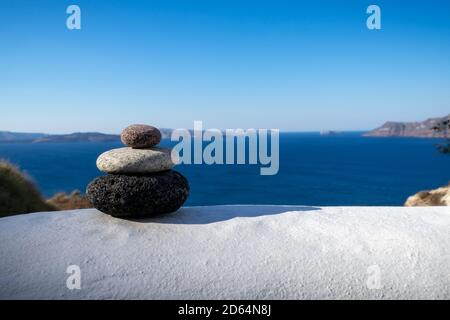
(314, 170)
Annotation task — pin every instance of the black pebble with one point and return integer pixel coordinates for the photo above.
(138, 196)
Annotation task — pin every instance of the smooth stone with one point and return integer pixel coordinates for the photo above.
(128, 160)
(140, 136)
(138, 196)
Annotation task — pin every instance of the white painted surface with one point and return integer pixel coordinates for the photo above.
(230, 252)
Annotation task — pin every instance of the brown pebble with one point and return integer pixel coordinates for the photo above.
(140, 136)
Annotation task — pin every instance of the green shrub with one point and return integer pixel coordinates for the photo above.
(17, 193)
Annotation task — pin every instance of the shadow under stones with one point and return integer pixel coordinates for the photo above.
(212, 214)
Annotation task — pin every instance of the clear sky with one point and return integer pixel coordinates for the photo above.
(292, 65)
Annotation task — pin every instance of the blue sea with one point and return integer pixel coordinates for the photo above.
(344, 170)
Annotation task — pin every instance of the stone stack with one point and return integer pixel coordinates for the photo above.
(139, 180)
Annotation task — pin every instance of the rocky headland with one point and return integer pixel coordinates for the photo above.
(422, 129)
(437, 197)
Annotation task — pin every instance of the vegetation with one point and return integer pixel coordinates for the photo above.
(444, 127)
(17, 193)
(75, 200)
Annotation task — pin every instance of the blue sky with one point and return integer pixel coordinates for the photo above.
(292, 65)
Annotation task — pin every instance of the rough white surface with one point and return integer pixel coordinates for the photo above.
(232, 252)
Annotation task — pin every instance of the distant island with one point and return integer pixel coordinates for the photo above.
(7, 136)
(422, 129)
(330, 133)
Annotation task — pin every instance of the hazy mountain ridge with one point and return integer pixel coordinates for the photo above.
(422, 129)
(8, 136)
(79, 137)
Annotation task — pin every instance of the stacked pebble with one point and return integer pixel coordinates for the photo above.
(139, 180)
